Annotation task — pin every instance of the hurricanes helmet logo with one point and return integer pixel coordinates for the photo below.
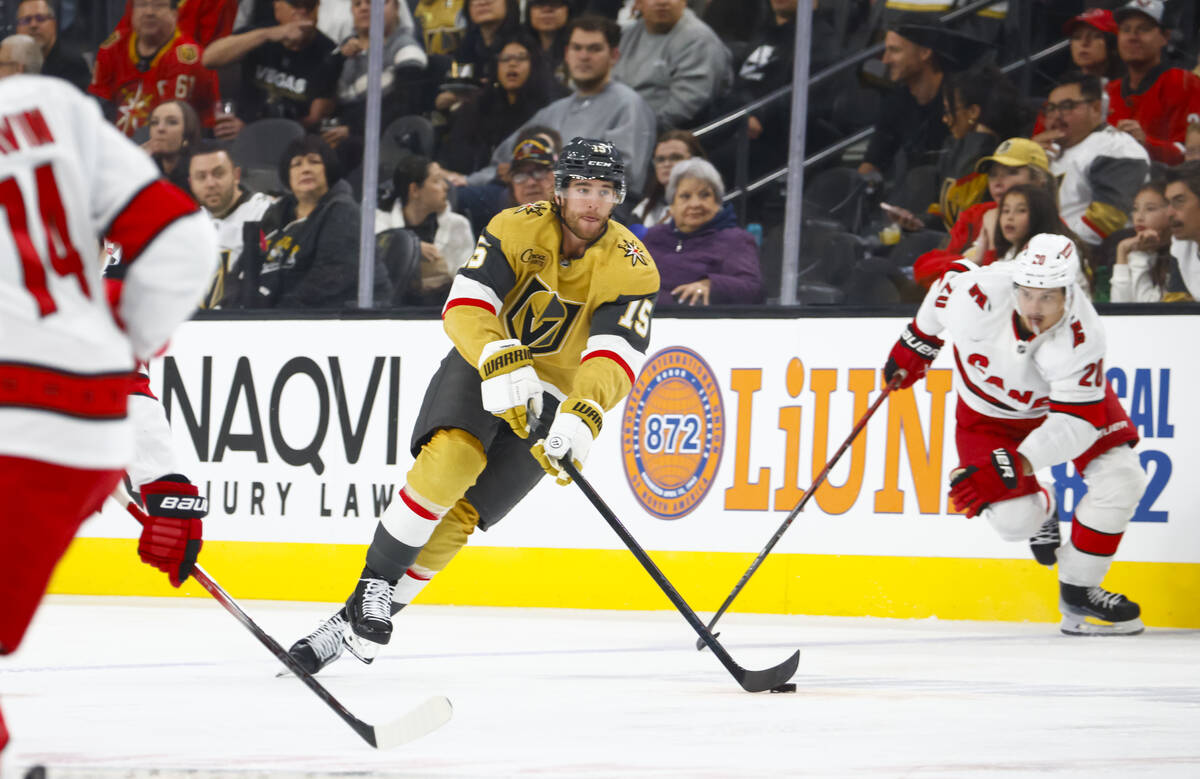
(540, 319)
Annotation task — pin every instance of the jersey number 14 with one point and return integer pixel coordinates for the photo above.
(64, 258)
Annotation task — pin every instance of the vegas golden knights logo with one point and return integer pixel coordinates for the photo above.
(540, 319)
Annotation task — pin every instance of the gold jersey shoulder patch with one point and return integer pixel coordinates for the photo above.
(188, 53)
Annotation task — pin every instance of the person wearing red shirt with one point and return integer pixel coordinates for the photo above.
(152, 64)
(204, 21)
(1153, 102)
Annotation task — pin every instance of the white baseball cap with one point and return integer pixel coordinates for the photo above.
(1151, 8)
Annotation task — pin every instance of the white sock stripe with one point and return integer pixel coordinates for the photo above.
(407, 526)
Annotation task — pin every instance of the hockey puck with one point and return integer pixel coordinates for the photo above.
(789, 687)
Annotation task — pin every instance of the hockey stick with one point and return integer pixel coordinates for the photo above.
(751, 681)
(424, 719)
(858, 428)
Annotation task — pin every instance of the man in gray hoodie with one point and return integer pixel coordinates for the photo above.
(675, 61)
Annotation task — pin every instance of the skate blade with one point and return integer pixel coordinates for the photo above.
(364, 650)
(1077, 626)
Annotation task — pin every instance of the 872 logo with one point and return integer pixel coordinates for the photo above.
(673, 433)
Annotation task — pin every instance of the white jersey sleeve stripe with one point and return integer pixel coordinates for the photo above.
(469, 292)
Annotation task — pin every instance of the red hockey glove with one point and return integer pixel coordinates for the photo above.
(912, 353)
(974, 487)
(172, 535)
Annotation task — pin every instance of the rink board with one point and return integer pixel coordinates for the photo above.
(298, 432)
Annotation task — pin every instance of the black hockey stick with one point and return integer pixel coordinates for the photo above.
(858, 428)
(751, 681)
(424, 719)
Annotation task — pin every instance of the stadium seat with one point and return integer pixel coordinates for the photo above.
(256, 150)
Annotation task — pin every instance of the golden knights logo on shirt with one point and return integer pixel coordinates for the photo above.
(634, 252)
(539, 318)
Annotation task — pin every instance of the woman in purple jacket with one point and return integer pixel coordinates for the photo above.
(703, 257)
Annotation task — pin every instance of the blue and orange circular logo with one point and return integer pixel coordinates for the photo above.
(673, 433)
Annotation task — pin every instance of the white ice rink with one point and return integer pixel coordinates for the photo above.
(144, 687)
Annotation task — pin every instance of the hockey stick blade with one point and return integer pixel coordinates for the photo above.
(795, 512)
(418, 722)
(751, 681)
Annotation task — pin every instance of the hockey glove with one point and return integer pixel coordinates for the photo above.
(973, 488)
(511, 389)
(172, 534)
(575, 426)
(912, 354)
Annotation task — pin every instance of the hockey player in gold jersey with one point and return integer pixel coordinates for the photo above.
(550, 321)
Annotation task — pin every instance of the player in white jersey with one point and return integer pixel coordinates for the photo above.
(66, 357)
(1029, 372)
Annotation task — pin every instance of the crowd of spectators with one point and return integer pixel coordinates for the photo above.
(964, 156)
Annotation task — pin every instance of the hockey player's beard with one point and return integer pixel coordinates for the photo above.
(585, 230)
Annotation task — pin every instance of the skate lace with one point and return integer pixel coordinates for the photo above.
(325, 639)
(1103, 598)
(1047, 533)
(377, 600)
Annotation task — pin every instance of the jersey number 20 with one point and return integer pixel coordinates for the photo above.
(63, 256)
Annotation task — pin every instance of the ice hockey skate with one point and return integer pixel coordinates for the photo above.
(322, 646)
(1045, 542)
(369, 618)
(1094, 611)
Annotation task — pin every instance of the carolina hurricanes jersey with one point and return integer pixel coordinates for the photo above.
(67, 177)
(594, 310)
(175, 73)
(1169, 99)
(1003, 371)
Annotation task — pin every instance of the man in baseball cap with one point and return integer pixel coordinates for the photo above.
(531, 176)
(1153, 102)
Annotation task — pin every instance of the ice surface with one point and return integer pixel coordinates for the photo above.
(107, 687)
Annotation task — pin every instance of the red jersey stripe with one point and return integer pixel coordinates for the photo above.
(86, 396)
(467, 302)
(1095, 413)
(145, 216)
(614, 357)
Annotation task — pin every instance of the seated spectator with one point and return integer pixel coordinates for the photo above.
(443, 24)
(703, 257)
(150, 64)
(1093, 36)
(337, 21)
(548, 25)
(404, 62)
(421, 207)
(523, 86)
(216, 184)
(982, 107)
(19, 54)
(1151, 102)
(310, 234)
(1142, 269)
(673, 147)
(527, 179)
(1191, 149)
(674, 61)
(36, 19)
(910, 124)
(1016, 161)
(1183, 210)
(174, 132)
(287, 68)
(490, 24)
(1099, 167)
(204, 21)
(599, 107)
(1024, 211)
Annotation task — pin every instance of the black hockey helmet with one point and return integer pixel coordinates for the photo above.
(590, 159)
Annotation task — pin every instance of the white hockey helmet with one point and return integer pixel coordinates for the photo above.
(1048, 261)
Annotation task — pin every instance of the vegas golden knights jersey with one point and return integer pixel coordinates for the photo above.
(586, 321)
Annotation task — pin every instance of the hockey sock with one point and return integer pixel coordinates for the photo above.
(1084, 560)
(448, 537)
